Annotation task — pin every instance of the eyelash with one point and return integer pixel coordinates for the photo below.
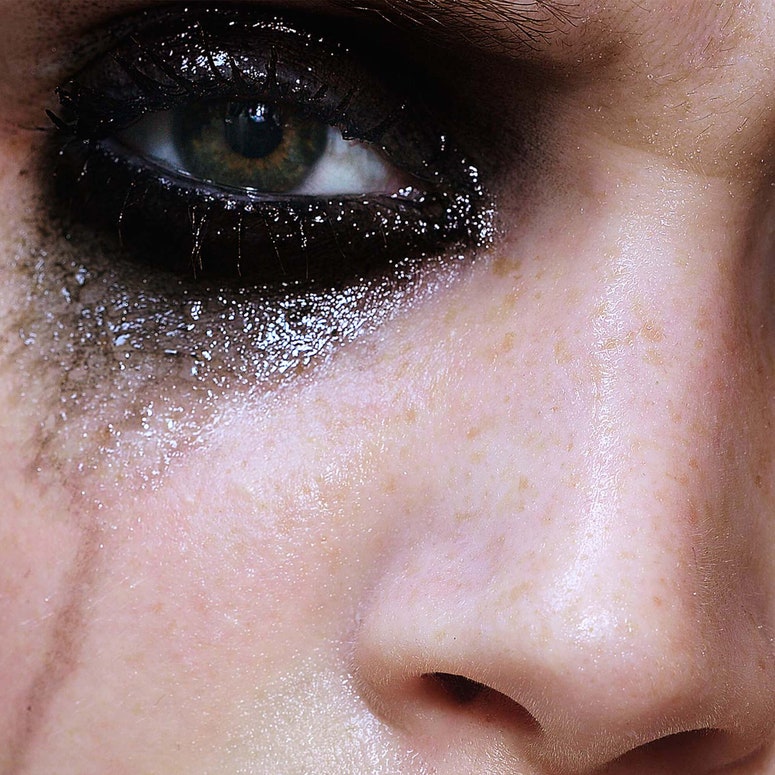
(191, 227)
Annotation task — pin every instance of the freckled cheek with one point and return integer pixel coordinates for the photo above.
(258, 539)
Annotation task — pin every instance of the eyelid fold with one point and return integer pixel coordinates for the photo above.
(178, 57)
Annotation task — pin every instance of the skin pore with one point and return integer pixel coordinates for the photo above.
(517, 518)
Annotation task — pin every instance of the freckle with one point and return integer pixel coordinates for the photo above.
(694, 464)
(682, 260)
(658, 602)
(682, 479)
(511, 299)
(574, 296)
(652, 333)
(410, 416)
(703, 320)
(500, 266)
(758, 481)
(561, 354)
(572, 481)
(654, 357)
(504, 267)
(519, 592)
(524, 483)
(473, 432)
(508, 342)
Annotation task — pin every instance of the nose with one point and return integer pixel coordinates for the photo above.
(575, 572)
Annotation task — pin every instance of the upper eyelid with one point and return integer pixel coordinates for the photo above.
(131, 48)
(53, 43)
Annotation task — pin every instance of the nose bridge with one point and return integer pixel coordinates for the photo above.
(659, 353)
(613, 606)
(641, 569)
(658, 350)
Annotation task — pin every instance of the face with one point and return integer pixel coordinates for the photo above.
(387, 387)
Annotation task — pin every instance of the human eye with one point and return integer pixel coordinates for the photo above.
(227, 143)
(185, 256)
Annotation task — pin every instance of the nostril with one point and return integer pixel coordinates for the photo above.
(706, 748)
(457, 687)
(489, 703)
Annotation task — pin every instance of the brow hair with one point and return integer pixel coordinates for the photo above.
(509, 26)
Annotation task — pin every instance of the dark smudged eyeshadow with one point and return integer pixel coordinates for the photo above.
(182, 60)
(156, 288)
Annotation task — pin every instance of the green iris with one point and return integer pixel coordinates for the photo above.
(269, 148)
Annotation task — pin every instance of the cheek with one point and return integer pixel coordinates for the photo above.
(123, 368)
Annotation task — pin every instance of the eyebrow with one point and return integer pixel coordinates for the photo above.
(513, 27)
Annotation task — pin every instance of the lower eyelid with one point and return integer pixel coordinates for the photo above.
(146, 359)
(185, 227)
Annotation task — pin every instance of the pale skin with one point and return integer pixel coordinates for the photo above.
(551, 476)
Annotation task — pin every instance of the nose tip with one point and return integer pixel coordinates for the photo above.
(571, 689)
(608, 615)
(614, 624)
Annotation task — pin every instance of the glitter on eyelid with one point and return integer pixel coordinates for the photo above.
(141, 370)
(134, 365)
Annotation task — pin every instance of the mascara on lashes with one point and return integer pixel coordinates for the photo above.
(177, 58)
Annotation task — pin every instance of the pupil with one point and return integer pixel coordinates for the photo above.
(253, 131)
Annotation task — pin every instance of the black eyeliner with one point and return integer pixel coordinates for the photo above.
(190, 227)
(134, 363)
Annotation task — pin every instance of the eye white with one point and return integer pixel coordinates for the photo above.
(345, 167)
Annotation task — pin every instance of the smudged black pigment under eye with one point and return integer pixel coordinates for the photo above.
(154, 298)
(134, 367)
